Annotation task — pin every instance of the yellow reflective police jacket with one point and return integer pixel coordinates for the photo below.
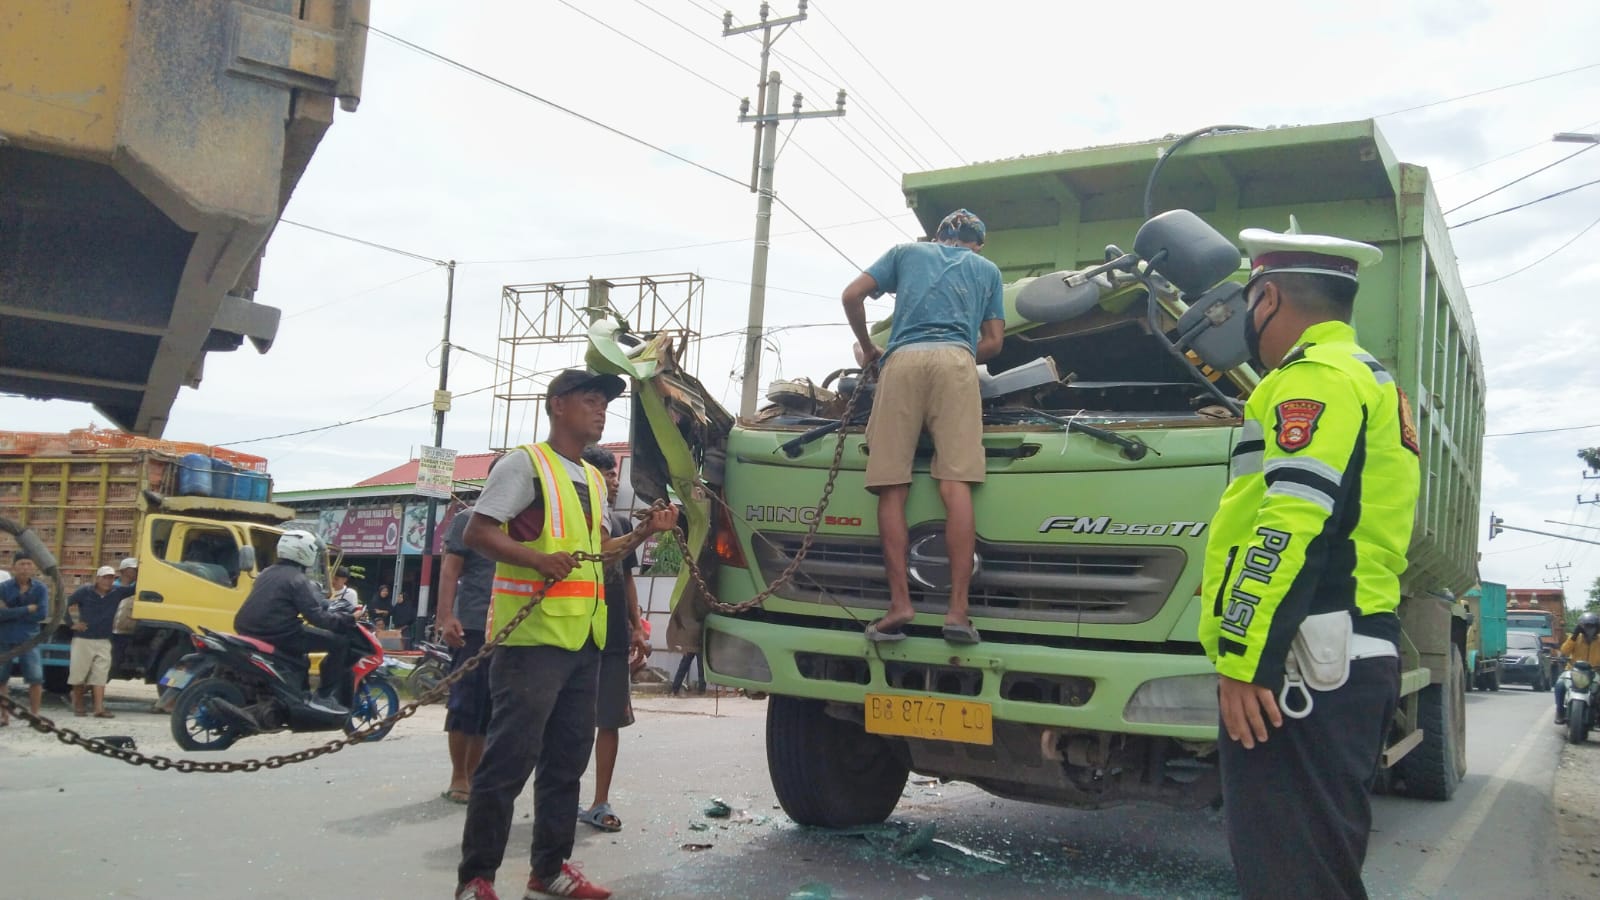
(1317, 515)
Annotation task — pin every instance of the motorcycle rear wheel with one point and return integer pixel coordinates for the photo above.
(375, 701)
(193, 726)
(425, 677)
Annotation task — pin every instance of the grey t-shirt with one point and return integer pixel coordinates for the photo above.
(512, 487)
(477, 575)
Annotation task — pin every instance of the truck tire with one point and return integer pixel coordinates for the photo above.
(1577, 721)
(828, 772)
(1433, 770)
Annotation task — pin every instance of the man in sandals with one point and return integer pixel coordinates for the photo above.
(93, 608)
(614, 705)
(948, 317)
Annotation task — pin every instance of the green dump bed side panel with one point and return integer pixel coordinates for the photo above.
(1060, 210)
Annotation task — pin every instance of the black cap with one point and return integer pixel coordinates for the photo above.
(580, 380)
(342, 572)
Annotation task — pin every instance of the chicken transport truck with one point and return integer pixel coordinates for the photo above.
(1108, 438)
(198, 555)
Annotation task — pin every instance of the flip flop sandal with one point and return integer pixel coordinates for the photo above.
(597, 817)
(960, 634)
(102, 714)
(461, 797)
(879, 636)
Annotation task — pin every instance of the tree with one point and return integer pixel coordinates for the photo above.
(1594, 598)
(1591, 456)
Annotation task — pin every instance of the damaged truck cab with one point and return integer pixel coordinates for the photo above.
(1107, 455)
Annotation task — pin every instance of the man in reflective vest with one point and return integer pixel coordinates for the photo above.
(540, 506)
(1310, 540)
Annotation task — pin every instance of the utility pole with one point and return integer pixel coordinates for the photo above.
(762, 160)
(1561, 578)
(441, 405)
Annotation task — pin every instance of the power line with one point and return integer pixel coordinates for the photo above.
(479, 73)
(1503, 87)
(1520, 179)
(1501, 212)
(876, 117)
(646, 47)
(1541, 431)
(1543, 142)
(868, 61)
(829, 171)
(373, 244)
(1541, 259)
(362, 293)
(857, 194)
(738, 240)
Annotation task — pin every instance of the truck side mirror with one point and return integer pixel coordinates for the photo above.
(247, 558)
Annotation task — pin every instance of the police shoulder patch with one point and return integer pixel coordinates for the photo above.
(1408, 426)
(1297, 422)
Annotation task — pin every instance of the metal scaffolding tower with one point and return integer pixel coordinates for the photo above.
(544, 328)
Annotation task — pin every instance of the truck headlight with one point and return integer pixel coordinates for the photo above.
(736, 657)
(1179, 700)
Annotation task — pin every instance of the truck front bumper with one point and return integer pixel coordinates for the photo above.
(1128, 692)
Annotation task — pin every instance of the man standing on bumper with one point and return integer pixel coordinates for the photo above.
(949, 315)
(540, 506)
(1316, 520)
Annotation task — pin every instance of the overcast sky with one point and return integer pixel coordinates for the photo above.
(449, 166)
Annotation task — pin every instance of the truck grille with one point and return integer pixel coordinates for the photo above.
(1080, 583)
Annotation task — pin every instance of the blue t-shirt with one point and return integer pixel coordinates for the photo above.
(942, 294)
(16, 623)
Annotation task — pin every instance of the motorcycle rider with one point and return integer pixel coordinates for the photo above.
(1584, 645)
(281, 597)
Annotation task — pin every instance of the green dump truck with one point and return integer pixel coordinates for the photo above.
(1090, 688)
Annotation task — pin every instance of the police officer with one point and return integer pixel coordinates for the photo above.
(1311, 537)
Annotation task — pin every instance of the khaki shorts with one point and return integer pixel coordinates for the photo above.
(936, 389)
(90, 661)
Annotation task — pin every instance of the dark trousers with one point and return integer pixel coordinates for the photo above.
(683, 671)
(542, 724)
(1297, 807)
(311, 639)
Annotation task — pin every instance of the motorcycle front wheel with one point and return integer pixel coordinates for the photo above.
(194, 726)
(375, 701)
(1577, 721)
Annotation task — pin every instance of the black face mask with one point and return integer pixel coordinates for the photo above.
(1252, 334)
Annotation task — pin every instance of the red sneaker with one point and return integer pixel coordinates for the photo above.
(569, 883)
(476, 889)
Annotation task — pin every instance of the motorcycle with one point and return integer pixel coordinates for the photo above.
(1581, 684)
(431, 669)
(235, 686)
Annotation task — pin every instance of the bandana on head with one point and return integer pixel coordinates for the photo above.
(961, 225)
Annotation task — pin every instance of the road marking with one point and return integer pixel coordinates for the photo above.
(1449, 849)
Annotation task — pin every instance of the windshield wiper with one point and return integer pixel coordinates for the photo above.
(1132, 448)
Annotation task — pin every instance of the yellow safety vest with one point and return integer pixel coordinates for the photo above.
(1318, 513)
(574, 607)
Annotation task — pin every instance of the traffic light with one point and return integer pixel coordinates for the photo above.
(1496, 525)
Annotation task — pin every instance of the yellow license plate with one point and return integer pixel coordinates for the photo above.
(933, 718)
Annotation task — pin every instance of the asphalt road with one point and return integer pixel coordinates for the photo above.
(368, 822)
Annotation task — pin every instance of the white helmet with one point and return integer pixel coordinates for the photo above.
(298, 547)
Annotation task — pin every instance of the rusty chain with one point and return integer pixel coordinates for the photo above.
(163, 763)
(433, 695)
(793, 568)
